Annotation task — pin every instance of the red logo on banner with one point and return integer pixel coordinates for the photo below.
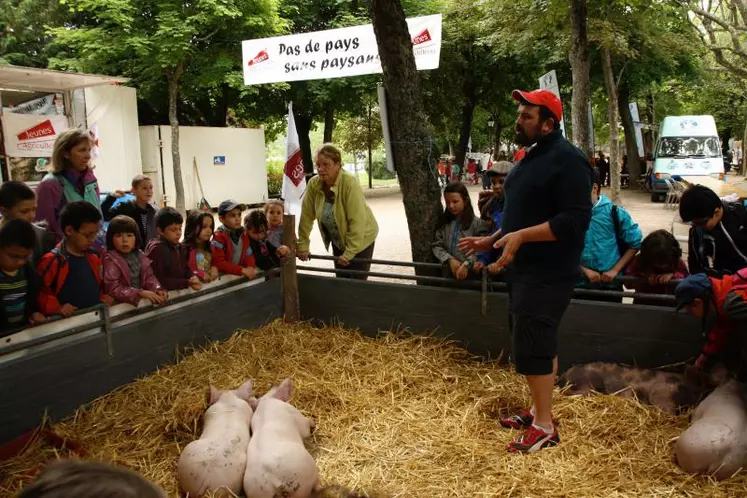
(422, 37)
(43, 129)
(260, 57)
(294, 168)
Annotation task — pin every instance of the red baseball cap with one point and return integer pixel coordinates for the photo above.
(541, 97)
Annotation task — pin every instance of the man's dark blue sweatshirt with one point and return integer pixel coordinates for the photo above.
(552, 183)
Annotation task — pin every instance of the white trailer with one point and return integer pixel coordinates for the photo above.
(231, 163)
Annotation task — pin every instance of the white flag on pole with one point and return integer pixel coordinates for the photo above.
(294, 179)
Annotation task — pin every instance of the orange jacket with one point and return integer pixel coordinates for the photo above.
(53, 269)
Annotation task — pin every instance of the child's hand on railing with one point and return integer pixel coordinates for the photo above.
(283, 250)
(36, 318)
(249, 272)
(194, 283)
(67, 310)
(107, 300)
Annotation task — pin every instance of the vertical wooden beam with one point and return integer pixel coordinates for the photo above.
(291, 308)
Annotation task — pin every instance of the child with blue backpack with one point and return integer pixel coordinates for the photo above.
(611, 242)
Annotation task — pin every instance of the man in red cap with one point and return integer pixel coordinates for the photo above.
(546, 213)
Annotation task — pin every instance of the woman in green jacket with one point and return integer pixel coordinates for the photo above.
(335, 199)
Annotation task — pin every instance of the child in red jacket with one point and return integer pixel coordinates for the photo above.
(232, 251)
(700, 294)
(71, 273)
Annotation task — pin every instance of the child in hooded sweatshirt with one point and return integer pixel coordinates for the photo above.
(128, 276)
(232, 252)
(274, 211)
(198, 232)
(659, 262)
(266, 254)
(611, 242)
(167, 255)
(457, 221)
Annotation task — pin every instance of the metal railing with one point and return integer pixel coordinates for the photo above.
(485, 283)
(106, 321)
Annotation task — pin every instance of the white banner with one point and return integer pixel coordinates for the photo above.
(549, 81)
(384, 113)
(42, 105)
(633, 106)
(294, 178)
(29, 135)
(334, 53)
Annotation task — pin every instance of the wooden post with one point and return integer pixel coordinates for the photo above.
(291, 309)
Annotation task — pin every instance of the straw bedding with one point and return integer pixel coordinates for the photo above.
(398, 415)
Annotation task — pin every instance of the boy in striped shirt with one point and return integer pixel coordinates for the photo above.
(19, 283)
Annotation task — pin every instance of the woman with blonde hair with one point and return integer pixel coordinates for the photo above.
(70, 180)
(335, 199)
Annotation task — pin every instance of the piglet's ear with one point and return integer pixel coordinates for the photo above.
(245, 391)
(213, 395)
(284, 391)
(253, 403)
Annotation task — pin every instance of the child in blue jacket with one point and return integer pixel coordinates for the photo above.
(612, 241)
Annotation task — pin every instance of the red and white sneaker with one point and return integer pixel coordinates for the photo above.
(534, 439)
(521, 420)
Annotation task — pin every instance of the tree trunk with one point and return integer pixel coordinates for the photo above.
(173, 82)
(496, 145)
(417, 177)
(468, 112)
(303, 127)
(609, 83)
(631, 148)
(329, 122)
(579, 59)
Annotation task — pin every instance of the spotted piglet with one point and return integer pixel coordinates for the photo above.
(667, 390)
(217, 461)
(278, 464)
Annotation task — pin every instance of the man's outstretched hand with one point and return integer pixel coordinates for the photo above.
(510, 244)
(471, 245)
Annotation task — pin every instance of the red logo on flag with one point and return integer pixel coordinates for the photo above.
(43, 129)
(422, 37)
(260, 57)
(294, 168)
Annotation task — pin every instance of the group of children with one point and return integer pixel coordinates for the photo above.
(613, 247)
(145, 255)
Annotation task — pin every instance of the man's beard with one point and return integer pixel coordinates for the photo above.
(525, 140)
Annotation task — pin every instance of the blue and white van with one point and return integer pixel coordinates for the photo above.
(687, 146)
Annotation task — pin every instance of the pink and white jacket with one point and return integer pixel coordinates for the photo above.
(117, 278)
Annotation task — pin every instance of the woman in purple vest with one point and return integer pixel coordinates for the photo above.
(71, 178)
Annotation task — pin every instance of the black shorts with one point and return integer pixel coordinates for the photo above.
(536, 310)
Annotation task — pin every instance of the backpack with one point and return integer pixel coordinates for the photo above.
(622, 246)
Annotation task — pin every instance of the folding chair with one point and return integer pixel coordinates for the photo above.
(643, 180)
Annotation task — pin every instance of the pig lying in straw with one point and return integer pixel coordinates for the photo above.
(666, 390)
(716, 442)
(277, 461)
(217, 461)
